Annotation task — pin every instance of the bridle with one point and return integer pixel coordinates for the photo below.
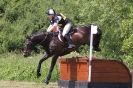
(26, 51)
(30, 42)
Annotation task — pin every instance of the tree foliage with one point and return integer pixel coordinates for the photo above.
(19, 18)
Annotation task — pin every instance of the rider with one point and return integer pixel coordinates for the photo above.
(59, 21)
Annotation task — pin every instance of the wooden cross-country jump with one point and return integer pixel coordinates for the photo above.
(105, 73)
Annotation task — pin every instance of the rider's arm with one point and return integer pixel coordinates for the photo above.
(53, 28)
(49, 28)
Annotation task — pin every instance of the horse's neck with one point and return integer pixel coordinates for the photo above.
(38, 38)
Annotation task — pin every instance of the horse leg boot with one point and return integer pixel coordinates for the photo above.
(46, 56)
(69, 41)
(53, 62)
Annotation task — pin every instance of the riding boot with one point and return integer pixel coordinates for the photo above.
(69, 41)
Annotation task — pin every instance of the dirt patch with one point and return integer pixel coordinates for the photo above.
(14, 84)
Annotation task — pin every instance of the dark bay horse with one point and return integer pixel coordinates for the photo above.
(55, 48)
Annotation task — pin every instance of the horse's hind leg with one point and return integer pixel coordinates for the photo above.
(96, 42)
(53, 62)
(45, 57)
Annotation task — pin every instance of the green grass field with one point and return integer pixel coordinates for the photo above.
(16, 67)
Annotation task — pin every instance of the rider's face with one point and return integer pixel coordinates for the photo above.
(50, 17)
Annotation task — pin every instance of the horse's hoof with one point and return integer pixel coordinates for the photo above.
(46, 82)
(38, 75)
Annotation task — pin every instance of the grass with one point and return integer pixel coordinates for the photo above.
(16, 67)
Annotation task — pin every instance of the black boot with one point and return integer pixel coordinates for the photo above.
(69, 41)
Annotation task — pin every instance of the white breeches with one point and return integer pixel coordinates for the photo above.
(66, 29)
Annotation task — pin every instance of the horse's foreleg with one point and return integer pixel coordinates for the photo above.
(45, 56)
(53, 62)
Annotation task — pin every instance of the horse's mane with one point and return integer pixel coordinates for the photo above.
(43, 34)
(38, 33)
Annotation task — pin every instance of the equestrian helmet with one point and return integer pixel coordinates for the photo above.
(51, 12)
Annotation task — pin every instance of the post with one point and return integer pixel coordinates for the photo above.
(93, 31)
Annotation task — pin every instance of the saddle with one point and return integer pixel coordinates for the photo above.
(66, 40)
(61, 38)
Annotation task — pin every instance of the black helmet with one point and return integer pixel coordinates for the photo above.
(51, 12)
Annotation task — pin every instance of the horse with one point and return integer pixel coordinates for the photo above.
(54, 47)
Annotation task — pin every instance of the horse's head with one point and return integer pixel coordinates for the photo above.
(41, 38)
(28, 47)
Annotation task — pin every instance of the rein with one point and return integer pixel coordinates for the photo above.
(44, 39)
